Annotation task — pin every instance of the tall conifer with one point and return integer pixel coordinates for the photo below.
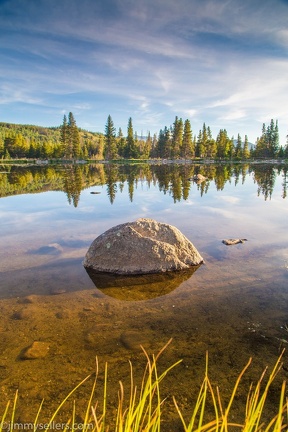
(110, 150)
(64, 135)
(177, 137)
(73, 137)
(238, 149)
(246, 152)
(131, 150)
(187, 150)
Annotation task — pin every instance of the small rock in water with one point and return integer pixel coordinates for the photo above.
(132, 340)
(35, 351)
(51, 249)
(28, 299)
(17, 315)
(62, 314)
(230, 242)
(57, 291)
(22, 314)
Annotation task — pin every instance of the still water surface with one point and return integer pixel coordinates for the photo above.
(234, 306)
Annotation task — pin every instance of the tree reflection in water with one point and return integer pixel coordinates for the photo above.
(173, 179)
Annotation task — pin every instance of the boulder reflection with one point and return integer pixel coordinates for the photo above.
(139, 287)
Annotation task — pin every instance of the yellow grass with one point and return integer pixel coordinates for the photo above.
(143, 409)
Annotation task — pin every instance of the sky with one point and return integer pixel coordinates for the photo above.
(222, 62)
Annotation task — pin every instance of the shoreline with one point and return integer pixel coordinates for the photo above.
(41, 162)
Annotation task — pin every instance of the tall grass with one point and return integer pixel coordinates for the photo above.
(142, 410)
(255, 405)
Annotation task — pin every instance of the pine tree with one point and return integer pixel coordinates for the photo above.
(121, 143)
(238, 149)
(177, 137)
(275, 140)
(261, 149)
(131, 151)
(199, 152)
(187, 150)
(70, 137)
(268, 144)
(73, 147)
(210, 145)
(110, 151)
(167, 143)
(224, 144)
(205, 142)
(154, 145)
(147, 147)
(246, 152)
(160, 144)
(64, 135)
(164, 144)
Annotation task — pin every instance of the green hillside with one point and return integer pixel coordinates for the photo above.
(17, 141)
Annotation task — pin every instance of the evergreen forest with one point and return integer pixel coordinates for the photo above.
(69, 142)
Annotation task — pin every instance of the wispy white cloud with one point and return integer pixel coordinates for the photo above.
(282, 37)
(234, 115)
(10, 93)
(214, 61)
(229, 199)
(190, 112)
(229, 214)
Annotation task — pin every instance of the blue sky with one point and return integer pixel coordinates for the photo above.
(223, 62)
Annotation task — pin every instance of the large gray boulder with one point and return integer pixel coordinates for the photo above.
(141, 247)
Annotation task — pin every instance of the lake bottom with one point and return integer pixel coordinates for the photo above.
(225, 309)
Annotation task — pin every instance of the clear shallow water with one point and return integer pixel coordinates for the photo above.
(233, 306)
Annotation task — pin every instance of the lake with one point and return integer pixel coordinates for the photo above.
(234, 306)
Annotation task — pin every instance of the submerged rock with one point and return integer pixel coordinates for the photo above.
(51, 249)
(132, 340)
(35, 351)
(141, 247)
